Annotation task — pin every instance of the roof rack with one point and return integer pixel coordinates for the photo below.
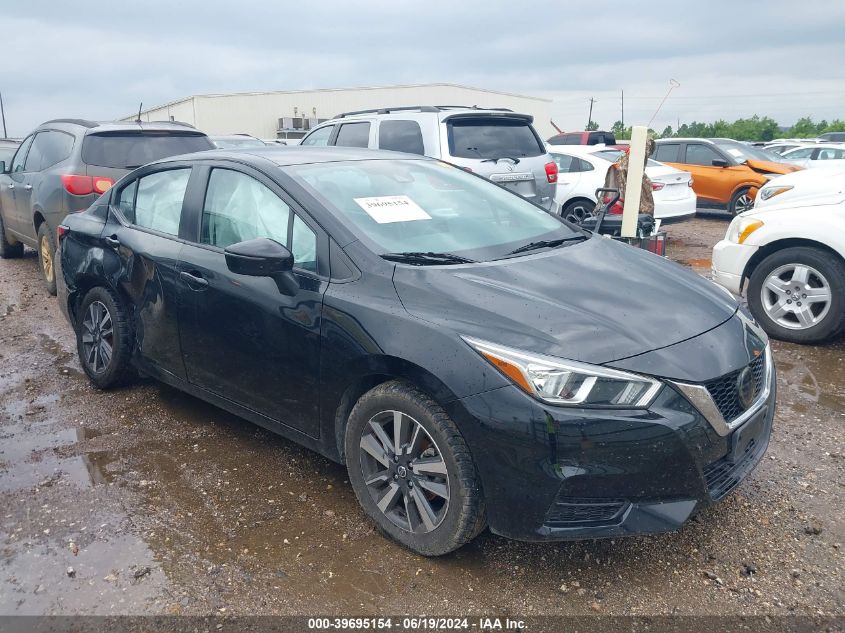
(420, 108)
(82, 122)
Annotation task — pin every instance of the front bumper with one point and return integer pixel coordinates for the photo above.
(729, 262)
(550, 473)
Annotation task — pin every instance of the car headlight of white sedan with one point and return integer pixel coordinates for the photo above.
(741, 228)
(767, 193)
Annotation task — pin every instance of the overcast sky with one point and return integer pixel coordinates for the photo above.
(100, 59)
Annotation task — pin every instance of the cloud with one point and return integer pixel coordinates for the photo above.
(99, 60)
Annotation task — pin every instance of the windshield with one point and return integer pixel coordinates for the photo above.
(742, 152)
(237, 143)
(479, 137)
(421, 206)
(127, 150)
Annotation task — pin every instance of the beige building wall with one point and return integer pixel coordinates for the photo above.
(258, 113)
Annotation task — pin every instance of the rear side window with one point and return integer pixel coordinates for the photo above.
(128, 150)
(573, 139)
(353, 135)
(698, 154)
(158, 200)
(667, 152)
(319, 137)
(564, 162)
(401, 136)
(478, 137)
(47, 149)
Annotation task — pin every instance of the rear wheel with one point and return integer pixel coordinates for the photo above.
(741, 201)
(46, 253)
(412, 471)
(798, 295)
(103, 338)
(8, 250)
(578, 210)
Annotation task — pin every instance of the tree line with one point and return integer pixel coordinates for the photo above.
(755, 128)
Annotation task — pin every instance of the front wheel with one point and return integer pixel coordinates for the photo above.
(412, 471)
(46, 254)
(798, 295)
(741, 201)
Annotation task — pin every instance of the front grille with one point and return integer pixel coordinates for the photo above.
(585, 512)
(723, 390)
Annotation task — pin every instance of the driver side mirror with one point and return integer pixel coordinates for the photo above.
(263, 257)
(719, 162)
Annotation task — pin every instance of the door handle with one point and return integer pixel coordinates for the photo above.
(28, 187)
(11, 186)
(112, 241)
(193, 279)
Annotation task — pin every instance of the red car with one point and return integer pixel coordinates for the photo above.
(585, 138)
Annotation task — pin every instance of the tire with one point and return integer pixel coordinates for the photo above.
(778, 289)
(100, 308)
(46, 257)
(740, 201)
(8, 250)
(408, 494)
(578, 210)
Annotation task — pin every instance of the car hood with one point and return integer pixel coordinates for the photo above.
(595, 301)
(772, 167)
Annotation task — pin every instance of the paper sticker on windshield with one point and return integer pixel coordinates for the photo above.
(387, 209)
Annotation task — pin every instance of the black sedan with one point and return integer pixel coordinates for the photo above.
(473, 360)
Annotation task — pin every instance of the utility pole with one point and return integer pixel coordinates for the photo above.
(623, 109)
(3, 115)
(590, 117)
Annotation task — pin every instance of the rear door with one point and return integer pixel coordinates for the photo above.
(144, 227)
(242, 339)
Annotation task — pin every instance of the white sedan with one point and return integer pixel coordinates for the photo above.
(583, 168)
(821, 155)
(804, 185)
(790, 260)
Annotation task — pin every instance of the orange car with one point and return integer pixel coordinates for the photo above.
(726, 173)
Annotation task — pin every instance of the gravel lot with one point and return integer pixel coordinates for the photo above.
(148, 501)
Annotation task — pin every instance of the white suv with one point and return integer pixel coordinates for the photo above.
(497, 144)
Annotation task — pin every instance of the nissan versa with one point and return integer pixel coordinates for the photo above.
(472, 359)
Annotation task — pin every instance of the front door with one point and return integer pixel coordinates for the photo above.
(242, 338)
(9, 186)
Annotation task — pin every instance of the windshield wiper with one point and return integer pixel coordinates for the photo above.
(496, 160)
(422, 259)
(533, 246)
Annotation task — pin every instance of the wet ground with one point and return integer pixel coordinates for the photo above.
(147, 501)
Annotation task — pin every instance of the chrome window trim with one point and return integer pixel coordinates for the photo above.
(703, 401)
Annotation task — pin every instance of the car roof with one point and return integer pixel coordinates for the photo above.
(119, 126)
(284, 156)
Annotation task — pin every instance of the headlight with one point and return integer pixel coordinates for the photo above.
(741, 228)
(771, 192)
(568, 383)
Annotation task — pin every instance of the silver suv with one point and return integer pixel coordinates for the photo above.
(496, 143)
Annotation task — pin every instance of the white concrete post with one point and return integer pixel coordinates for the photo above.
(634, 185)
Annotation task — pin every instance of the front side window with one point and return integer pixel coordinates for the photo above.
(401, 136)
(400, 206)
(698, 154)
(479, 137)
(805, 152)
(158, 201)
(20, 156)
(48, 149)
(319, 137)
(353, 135)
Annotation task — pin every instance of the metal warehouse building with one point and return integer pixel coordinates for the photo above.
(291, 114)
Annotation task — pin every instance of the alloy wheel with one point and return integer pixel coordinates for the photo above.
(796, 296)
(97, 337)
(578, 213)
(743, 203)
(404, 472)
(46, 259)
